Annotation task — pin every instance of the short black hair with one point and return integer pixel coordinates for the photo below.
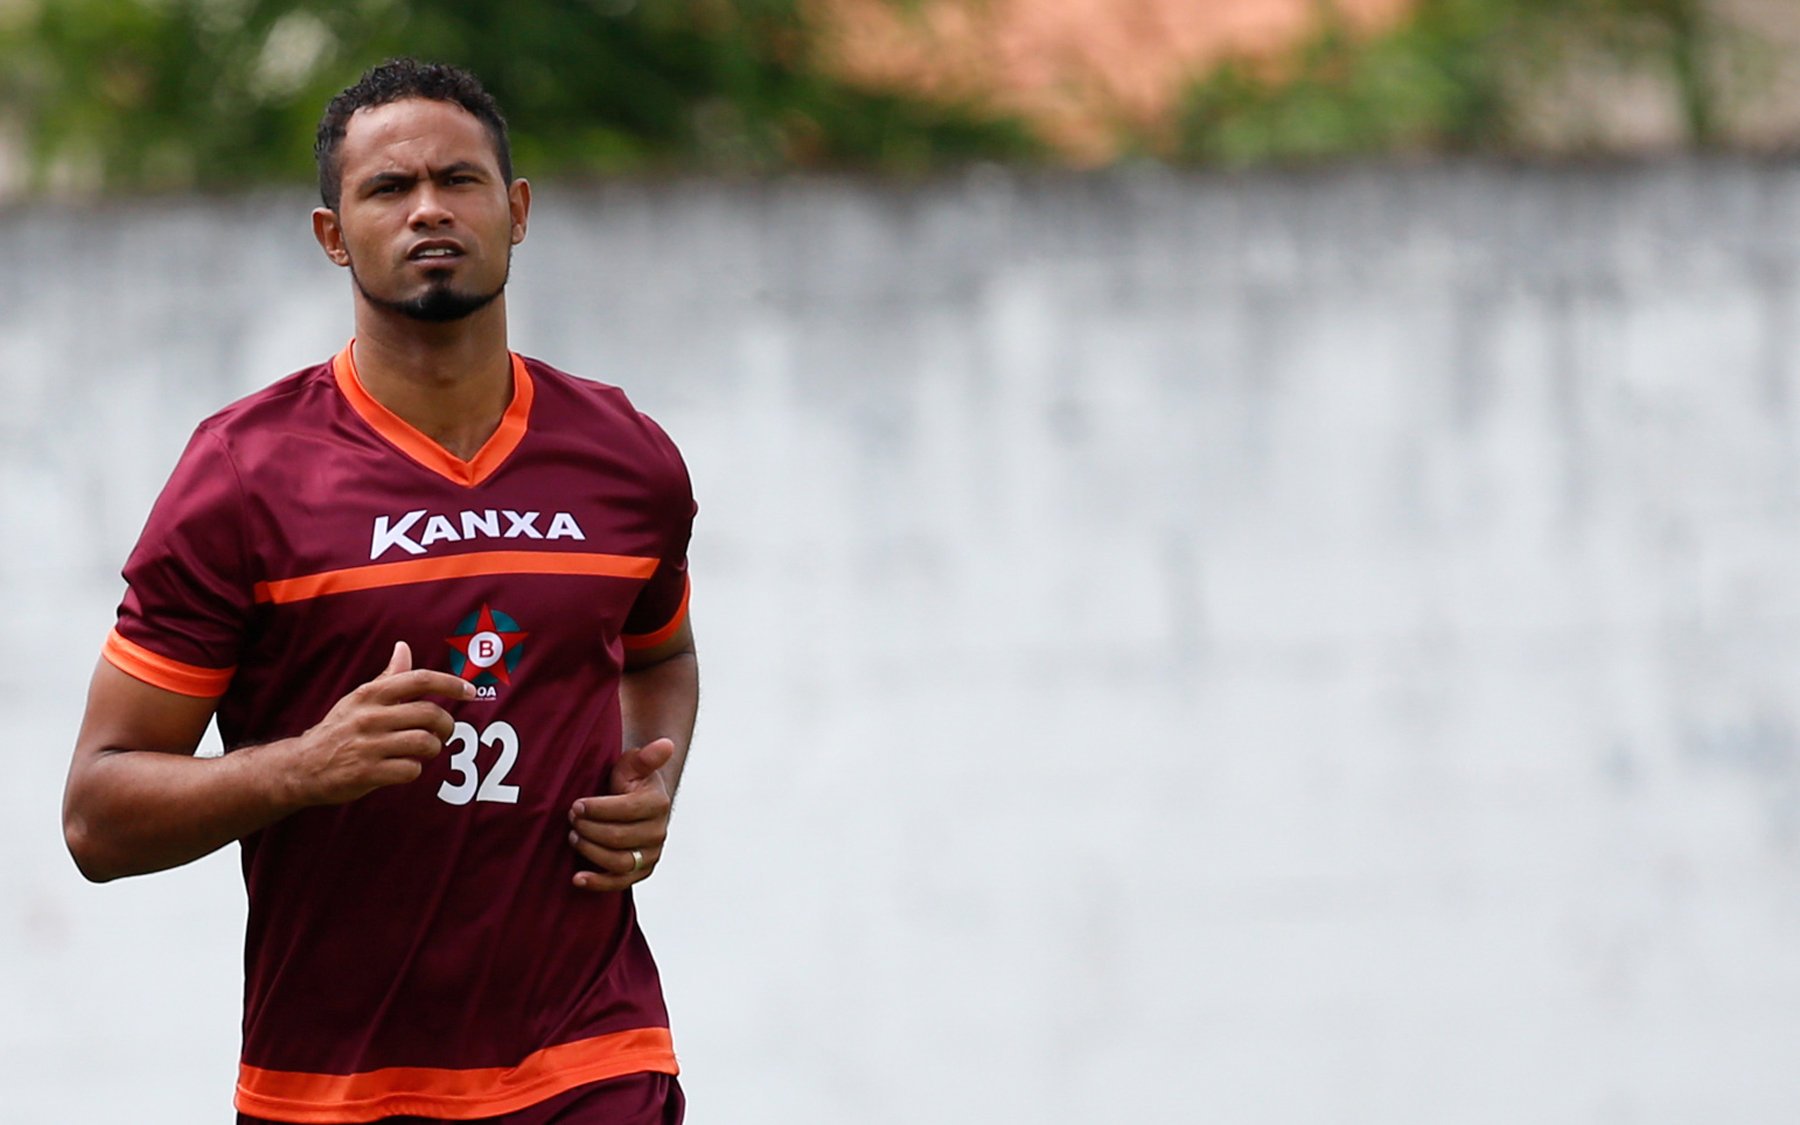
(392, 81)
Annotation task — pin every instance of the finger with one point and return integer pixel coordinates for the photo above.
(617, 873)
(397, 771)
(419, 683)
(621, 808)
(411, 745)
(415, 744)
(418, 715)
(638, 764)
(599, 884)
(623, 837)
(608, 880)
(615, 861)
(400, 661)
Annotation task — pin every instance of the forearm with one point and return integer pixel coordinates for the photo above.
(620, 832)
(130, 812)
(660, 701)
(138, 800)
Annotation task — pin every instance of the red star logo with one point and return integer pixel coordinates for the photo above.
(484, 647)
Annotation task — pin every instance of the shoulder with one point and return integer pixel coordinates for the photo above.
(284, 406)
(595, 420)
(597, 409)
(249, 433)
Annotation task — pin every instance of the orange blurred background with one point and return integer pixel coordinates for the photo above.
(1087, 74)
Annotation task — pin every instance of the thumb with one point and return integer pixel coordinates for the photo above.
(638, 764)
(401, 661)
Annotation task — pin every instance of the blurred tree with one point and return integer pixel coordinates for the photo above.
(1471, 75)
(160, 94)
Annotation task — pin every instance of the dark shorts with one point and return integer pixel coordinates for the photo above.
(636, 1099)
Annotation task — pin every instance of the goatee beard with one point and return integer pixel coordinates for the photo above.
(439, 304)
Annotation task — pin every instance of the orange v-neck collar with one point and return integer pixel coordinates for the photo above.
(408, 440)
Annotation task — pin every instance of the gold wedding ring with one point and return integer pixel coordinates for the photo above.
(637, 861)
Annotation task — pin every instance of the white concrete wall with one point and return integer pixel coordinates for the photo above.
(1291, 649)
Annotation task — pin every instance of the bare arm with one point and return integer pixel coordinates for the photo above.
(137, 800)
(622, 832)
(660, 695)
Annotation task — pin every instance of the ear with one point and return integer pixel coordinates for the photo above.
(330, 235)
(518, 198)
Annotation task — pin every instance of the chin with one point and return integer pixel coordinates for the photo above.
(440, 302)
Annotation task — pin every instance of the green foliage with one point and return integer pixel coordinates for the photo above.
(172, 93)
(169, 94)
(1457, 75)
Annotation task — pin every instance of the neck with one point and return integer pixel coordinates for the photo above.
(452, 382)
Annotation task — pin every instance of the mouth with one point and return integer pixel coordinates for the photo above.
(435, 252)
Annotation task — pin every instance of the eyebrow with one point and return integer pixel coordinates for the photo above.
(380, 178)
(457, 168)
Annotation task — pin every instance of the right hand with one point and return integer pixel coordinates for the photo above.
(381, 734)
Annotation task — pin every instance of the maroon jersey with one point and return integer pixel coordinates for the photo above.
(423, 950)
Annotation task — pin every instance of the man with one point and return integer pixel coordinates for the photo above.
(426, 544)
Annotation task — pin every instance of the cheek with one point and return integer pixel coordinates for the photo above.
(360, 243)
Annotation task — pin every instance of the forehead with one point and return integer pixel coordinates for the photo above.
(413, 131)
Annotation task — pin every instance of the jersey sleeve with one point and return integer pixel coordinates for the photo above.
(188, 591)
(662, 604)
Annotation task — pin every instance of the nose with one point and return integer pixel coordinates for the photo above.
(428, 209)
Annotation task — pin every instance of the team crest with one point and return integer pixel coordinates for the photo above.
(486, 650)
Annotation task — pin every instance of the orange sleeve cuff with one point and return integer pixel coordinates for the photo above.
(637, 642)
(156, 670)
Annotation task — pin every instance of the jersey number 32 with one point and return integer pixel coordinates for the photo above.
(469, 785)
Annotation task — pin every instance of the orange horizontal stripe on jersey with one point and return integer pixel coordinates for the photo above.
(477, 564)
(290, 1095)
(158, 670)
(637, 642)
